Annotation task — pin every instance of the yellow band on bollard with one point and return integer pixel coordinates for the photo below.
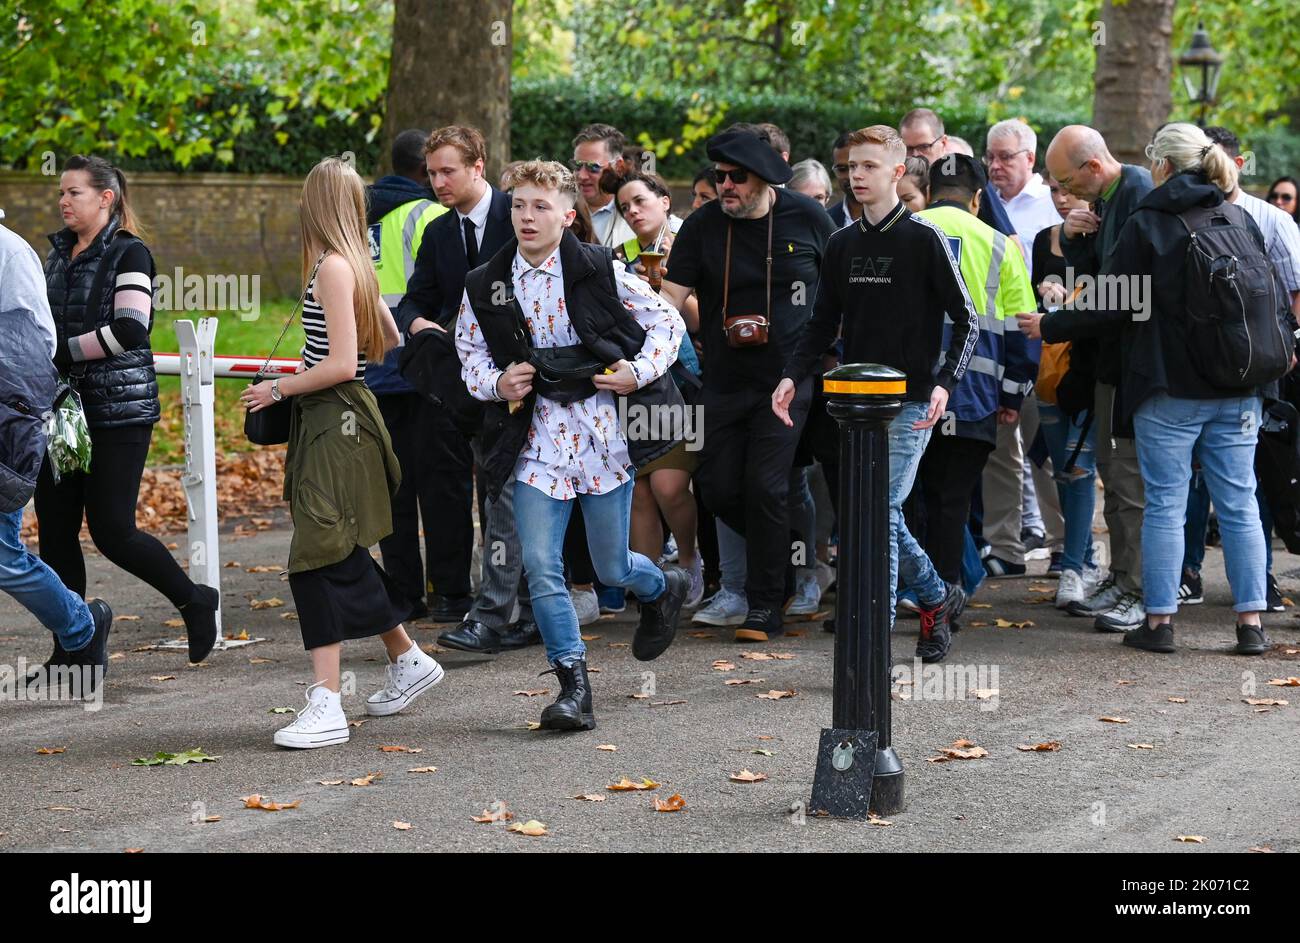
(865, 386)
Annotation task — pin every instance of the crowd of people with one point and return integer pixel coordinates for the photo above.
(635, 397)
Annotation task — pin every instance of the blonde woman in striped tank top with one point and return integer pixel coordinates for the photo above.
(340, 470)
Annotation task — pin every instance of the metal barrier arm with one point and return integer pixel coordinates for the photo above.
(198, 367)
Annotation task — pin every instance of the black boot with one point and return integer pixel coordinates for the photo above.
(200, 615)
(572, 709)
(57, 657)
(658, 622)
(92, 660)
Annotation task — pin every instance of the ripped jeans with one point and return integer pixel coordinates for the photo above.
(1078, 489)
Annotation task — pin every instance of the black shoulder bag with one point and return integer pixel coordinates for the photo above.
(270, 425)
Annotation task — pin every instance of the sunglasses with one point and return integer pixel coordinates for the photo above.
(739, 175)
(1280, 198)
(591, 166)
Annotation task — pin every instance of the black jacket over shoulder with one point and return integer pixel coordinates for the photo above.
(1154, 355)
(600, 321)
(120, 390)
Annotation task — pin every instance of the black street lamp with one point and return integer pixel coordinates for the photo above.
(1201, 66)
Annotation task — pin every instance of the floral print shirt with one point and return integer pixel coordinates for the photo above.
(578, 448)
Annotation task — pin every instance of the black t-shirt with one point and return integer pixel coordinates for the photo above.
(1045, 263)
(800, 229)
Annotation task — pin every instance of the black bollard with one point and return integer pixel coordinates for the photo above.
(857, 769)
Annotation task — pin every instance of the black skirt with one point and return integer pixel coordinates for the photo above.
(351, 599)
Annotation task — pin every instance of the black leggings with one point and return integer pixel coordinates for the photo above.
(107, 495)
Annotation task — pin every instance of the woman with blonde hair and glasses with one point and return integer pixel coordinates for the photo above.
(340, 470)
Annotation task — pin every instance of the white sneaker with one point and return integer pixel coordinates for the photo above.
(825, 576)
(725, 608)
(407, 678)
(1071, 589)
(586, 604)
(696, 592)
(321, 723)
(1126, 615)
(807, 596)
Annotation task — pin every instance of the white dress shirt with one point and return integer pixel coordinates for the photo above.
(578, 448)
(478, 216)
(1030, 211)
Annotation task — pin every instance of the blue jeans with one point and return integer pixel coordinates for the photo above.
(26, 578)
(1221, 434)
(906, 445)
(542, 521)
(1198, 523)
(1078, 489)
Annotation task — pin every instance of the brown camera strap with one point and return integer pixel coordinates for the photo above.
(726, 272)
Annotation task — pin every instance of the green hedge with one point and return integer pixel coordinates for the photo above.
(547, 113)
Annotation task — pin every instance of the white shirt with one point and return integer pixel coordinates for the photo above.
(1281, 237)
(22, 283)
(1030, 211)
(611, 229)
(578, 448)
(478, 216)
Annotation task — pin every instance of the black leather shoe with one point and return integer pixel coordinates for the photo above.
(449, 608)
(572, 709)
(57, 657)
(472, 636)
(658, 622)
(520, 635)
(418, 611)
(93, 659)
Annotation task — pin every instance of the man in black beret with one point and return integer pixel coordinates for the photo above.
(752, 256)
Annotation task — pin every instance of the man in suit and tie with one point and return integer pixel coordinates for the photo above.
(453, 244)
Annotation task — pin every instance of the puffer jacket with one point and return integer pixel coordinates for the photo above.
(121, 390)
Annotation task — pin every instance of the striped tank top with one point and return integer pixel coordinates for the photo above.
(313, 326)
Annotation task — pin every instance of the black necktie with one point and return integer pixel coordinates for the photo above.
(471, 242)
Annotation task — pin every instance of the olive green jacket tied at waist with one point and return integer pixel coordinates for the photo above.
(339, 475)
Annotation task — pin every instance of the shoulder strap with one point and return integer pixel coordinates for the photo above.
(293, 314)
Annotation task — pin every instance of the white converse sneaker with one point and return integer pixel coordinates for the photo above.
(807, 596)
(321, 723)
(725, 608)
(1071, 589)
(410, 676)
(586, 604)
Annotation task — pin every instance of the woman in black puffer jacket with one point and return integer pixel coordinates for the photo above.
(99, 276)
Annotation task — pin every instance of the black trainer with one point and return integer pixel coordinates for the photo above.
(1252, 640)
(1274, 596)
(761, 625)
(93, 659)
(935, 639)
(658, 625)
(1190, 591)
(572, 709)
(1157, 639)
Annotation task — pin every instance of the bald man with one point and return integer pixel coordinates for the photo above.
(1079, 160)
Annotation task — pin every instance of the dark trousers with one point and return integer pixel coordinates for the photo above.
(950, 469)
(107, 495)
(745, 479)
(438, 485)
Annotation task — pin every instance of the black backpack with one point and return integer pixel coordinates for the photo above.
(1236, 305)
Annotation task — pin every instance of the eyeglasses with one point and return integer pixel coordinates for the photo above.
(916, 150)
(1281, 197)
(739, 175)
(1064, 182)
(591, 166)
(840, 168)
(1004, 157)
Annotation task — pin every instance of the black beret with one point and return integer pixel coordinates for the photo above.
(746, 149)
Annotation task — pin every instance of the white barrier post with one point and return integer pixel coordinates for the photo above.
(200, 480)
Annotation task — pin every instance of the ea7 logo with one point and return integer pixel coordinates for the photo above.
(865, 265)
(76, 896)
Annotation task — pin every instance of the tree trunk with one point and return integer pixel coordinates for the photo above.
(451, 65)
(1133, 74)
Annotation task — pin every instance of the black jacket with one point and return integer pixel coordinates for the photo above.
(121, 390)
(1153, 351)
(436, 285)
(600, 321)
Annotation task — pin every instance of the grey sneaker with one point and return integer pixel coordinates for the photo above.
(1125, 616)
(725, 608)
(586, 605)
(807, 596)
(1102, 599)
(1252, 640)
